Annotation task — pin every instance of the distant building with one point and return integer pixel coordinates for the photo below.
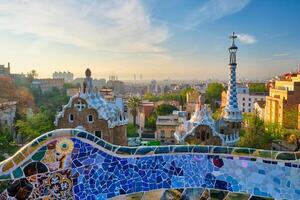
(116, 86)
(8, 114)
(5, 71)
(67, 76)
(144, 111)
(99, 83)
(284, 97)
(88, 110)
(259, 107)
(192, 99)
(153, 87)
(165, 128)
(47, 84)
(246, 99)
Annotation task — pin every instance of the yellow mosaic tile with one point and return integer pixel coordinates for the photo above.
(18, 158)
(7, 166)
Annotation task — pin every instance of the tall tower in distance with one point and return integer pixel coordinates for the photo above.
(231, 112)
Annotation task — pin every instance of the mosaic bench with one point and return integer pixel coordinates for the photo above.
(73, 164)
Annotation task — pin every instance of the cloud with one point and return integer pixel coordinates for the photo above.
(246, 38)
(214, 10)
(106, 25)
(280, 55)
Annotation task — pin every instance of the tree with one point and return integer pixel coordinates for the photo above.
(32, 75)
(213, 93)
(133, 104)
(165, 109)
(254, 135)
(7, 89)
(151, 121)
(257, 87)
(32, 126)
(132, 131)
(25, 100)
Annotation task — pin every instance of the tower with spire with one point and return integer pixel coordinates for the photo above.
(231, 111)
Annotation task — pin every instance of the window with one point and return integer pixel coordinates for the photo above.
(243, 109)
(80, 105)
(243, 104)
(71, 118)
(243, 98)
(249, 104)
(90, 118)
(98, 134)
(249, 109)
(249, 99)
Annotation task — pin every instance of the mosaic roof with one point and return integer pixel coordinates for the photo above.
(106, 110)
(74, 164)
(199, 118)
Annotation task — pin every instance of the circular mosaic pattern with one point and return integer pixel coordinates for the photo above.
(64, 146)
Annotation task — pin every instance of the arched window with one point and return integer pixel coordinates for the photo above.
(71, 118)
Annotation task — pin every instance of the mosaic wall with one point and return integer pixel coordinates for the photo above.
(72, 164)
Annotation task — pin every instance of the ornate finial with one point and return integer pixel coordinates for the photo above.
(233, 37)
(88, 82)
(88, 72)
(232, 49)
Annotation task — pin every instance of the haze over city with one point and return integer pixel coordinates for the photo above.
(140, 37)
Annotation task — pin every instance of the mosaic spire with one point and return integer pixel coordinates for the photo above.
(232, 112)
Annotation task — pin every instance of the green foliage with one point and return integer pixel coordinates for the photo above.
(163, 109)
(132, 131)
(214, 91)
(151, 121)
(257, 87)
(256, 134)
(50, 101)
(133, 105)
(180, 97)
(69, 85)
(7, 146)
(32, 126)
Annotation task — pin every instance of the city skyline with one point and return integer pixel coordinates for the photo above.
(138, 37)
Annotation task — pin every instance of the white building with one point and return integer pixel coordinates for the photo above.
(246, 99)
(67, 76)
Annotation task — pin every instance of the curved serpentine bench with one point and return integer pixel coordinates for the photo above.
(70, 163)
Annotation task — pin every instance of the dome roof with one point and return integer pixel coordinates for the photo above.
(107, 111)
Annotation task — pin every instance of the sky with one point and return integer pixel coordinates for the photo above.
(158, 39)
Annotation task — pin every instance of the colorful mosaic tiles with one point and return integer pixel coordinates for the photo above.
(73, 164)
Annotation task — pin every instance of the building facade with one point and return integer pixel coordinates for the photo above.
(203, 129)
(245, 98)
(67, 76)
(283, 101)
(88, 110)
(48, 83)
(165, 128)
(5, 71)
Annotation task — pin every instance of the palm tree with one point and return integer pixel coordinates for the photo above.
(133, 104)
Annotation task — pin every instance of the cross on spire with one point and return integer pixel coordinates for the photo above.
(233, 37)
